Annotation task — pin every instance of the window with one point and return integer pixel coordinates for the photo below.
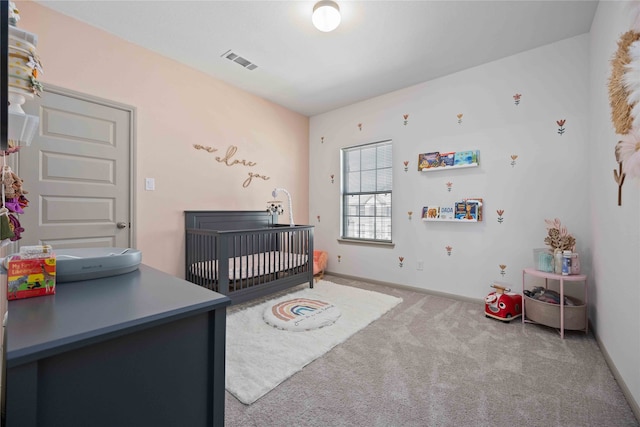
(366, 192)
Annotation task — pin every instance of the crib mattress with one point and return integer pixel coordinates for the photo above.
(247, 266)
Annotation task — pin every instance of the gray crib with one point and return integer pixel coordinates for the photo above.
(246, 254)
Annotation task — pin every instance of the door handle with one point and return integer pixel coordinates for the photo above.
(121, 225)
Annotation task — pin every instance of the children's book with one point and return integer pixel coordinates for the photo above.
(429, 160)
(431, 212)
(464, 157)
(424, 212)
(466, 211)
(478, 205)
(447, 212)
(446, 159)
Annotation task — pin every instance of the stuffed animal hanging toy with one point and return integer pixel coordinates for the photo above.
(13, 202)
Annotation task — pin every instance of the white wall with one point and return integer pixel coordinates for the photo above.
(548, 180)
(615, 291)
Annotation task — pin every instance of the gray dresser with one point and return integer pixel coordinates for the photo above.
(138, 349)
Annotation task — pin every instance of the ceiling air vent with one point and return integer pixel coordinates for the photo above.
(240, 60)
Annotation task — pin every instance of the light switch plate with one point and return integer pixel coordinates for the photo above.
(149, 184)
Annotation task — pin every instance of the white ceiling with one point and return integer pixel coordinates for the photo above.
(379, 47)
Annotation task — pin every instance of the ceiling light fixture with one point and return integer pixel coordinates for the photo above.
(326, 15)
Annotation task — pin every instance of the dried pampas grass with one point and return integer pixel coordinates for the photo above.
(631, 82)
(618, 95)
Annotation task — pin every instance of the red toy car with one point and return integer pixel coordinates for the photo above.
(503, 304)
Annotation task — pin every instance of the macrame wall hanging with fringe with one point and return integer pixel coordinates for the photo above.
(624, 98)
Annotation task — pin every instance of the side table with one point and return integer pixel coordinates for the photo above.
(561, 278)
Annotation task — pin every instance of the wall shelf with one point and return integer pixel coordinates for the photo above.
(448, 220)
(441, 168)
(465, 210)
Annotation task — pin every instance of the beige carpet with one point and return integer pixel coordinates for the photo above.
(434, 361)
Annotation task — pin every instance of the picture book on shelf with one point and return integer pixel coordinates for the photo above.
(466, 211)
(431, 212)
(447, 212)
(465, 157)
(447, 158)
(429, 160)
(478, 205)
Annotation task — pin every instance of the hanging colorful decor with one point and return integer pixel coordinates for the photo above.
(13, 201)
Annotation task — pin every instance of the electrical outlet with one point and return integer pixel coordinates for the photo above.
(420, 265)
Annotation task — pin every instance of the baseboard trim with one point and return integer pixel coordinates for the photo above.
(407, 287)
(616, 374)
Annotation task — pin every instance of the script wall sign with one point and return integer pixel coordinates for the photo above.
(230, 161)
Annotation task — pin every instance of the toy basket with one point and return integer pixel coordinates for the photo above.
(544, 313)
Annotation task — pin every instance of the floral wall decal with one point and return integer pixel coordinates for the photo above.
(401, 258)
(339, 258)
(460, 118)
(560, 124)
(516, 98)
(410, 213)
(332, 175)
(360, 126)
(449, 185)
(502, 269)
(513, 159)
(500, 218)
(406, 119)
(318, 218)
(449, 249)
(406, 165)
(322, 139)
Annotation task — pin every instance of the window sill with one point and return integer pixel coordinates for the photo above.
(366, 243)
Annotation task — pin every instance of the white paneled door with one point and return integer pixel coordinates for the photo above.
(78, 172)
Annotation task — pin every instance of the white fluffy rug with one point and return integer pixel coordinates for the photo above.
(259, 356)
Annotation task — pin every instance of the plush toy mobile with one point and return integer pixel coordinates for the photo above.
(502, 304)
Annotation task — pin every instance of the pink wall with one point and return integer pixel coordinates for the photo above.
(177, 107)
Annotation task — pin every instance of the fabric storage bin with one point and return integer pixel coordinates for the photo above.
(544, 313)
